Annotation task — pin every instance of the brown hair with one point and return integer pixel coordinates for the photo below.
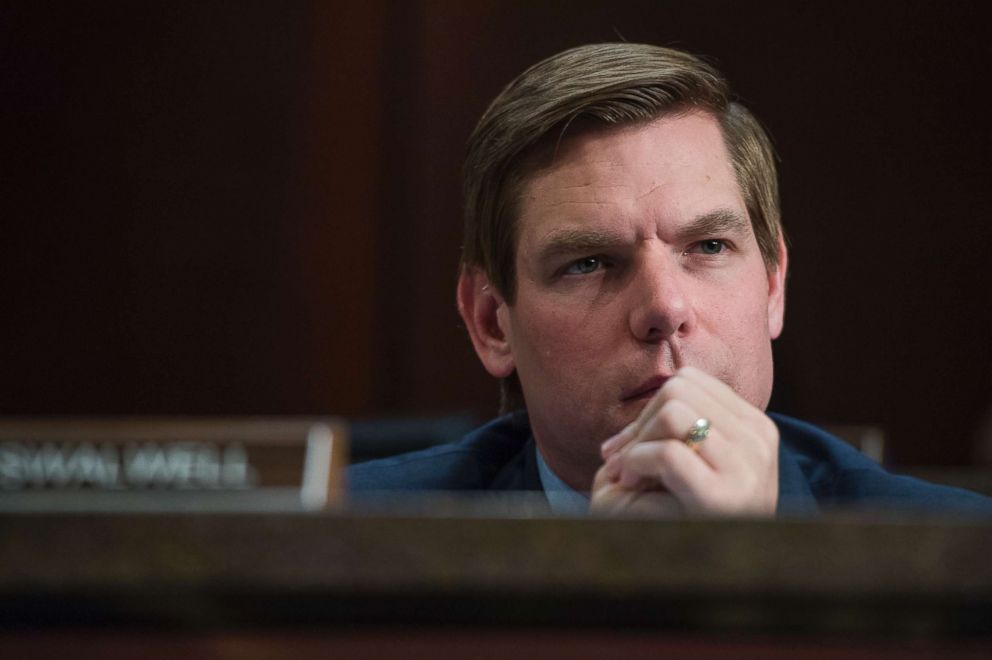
(599, 85)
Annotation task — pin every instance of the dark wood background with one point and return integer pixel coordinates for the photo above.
(253, 207)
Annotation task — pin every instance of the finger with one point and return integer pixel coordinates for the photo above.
(712, 398)
(745, 465)
(613, 470)
(618, 441)
(655, 503)
(631, 432)
(611, 499)
(702, 404)
(669, 463)
(739, 421)
(652, 406)
(721, 392)
(754, 431)
(609, 473)
(692, 386)
(672, 422)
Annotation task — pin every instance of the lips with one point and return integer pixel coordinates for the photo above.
(645, 390)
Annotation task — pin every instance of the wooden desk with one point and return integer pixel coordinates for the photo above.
(473, 584)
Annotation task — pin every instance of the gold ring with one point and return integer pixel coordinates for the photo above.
(697, 432)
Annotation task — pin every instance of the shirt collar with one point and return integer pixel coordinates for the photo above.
(563, 498)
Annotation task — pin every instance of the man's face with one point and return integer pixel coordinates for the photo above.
(635, 257)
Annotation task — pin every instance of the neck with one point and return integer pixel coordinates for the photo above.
(578, 476)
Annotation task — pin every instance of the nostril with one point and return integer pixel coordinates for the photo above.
(654, 334)
(656, 322)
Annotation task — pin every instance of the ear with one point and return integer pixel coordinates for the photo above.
(484, 312)
(776, 291)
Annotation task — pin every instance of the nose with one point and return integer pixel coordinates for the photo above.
(660, 301)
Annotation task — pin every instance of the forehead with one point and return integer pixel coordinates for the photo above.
(666, 170)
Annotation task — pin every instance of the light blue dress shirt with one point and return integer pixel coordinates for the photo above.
(563, 498)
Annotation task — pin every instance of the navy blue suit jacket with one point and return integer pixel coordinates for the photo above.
(816, 470)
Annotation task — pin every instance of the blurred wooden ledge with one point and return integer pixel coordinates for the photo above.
(844, 577)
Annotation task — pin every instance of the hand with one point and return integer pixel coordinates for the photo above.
(650, 469)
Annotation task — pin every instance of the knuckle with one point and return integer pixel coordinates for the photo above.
(668, 416)
(664, 450)
(653, 453)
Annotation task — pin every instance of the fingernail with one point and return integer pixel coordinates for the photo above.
(614, 441)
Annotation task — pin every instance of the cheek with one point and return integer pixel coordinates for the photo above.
(749, 329)
(747, 312)
(749, 364)
(735, 331)
(554, 340)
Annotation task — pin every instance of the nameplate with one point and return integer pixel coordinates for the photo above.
(300, 458)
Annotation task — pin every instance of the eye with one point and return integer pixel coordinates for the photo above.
(710, 247)
(584, 266)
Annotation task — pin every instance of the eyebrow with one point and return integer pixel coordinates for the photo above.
(572, 241)
(720, 221)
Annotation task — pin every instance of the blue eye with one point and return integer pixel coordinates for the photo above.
(584, 266)
(712, 246)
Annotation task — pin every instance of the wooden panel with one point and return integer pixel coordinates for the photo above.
(454, 564)
(338, 238)
(484, 644)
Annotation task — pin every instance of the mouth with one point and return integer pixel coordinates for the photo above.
(645, 390)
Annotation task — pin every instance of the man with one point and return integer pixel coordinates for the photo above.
(624, 275)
